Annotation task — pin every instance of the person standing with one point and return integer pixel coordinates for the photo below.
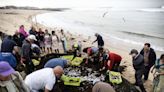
(99, 40)
(48, 41)
(138, 64)
(159, 74)
(43, 79)
(63, 40)
(41, 39)
(55, 42)
(149, 59)
(26, 55)
(18, 39)
(23, 32)
(33, 31)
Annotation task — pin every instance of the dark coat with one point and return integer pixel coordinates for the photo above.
(18, 40)
(100, 40)
(7, 45)
(26, 50)
(138, 62)
(32, 32)
(152, 56)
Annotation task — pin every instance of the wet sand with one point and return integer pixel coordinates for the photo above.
(10, 21)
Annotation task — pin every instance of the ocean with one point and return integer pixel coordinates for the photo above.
(121, 28)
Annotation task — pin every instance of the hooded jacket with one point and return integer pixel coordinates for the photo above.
(152, 56)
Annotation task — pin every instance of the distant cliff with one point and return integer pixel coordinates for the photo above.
(33, 8)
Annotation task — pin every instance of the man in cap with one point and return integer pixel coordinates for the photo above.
(138, 64)
(43, 79)
(27, 53)
(10, 80)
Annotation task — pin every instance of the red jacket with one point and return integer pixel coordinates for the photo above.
(113, 58)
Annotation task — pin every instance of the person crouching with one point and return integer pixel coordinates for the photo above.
(43, 79)
(111, 61)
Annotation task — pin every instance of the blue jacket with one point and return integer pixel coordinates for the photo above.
(56, 62)
(8, 57)
(7, 45)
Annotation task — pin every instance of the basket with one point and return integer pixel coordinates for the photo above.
(71, 81)
(115, 77)
(75, 62)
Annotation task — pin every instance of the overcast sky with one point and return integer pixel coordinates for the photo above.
(84, 3)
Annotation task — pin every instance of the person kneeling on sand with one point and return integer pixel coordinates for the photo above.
(43, 79)
(102, 86)
(111, 61)
(91, 52)
(56, 62)
(138, 64)
(10, 80)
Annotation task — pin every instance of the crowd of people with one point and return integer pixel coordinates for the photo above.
(24, 46)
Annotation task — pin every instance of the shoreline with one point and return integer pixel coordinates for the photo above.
(112, 34)
(11, 20)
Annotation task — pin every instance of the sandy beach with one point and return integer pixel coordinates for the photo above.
(10, 21)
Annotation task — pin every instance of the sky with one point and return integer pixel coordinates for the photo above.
(84, 3)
